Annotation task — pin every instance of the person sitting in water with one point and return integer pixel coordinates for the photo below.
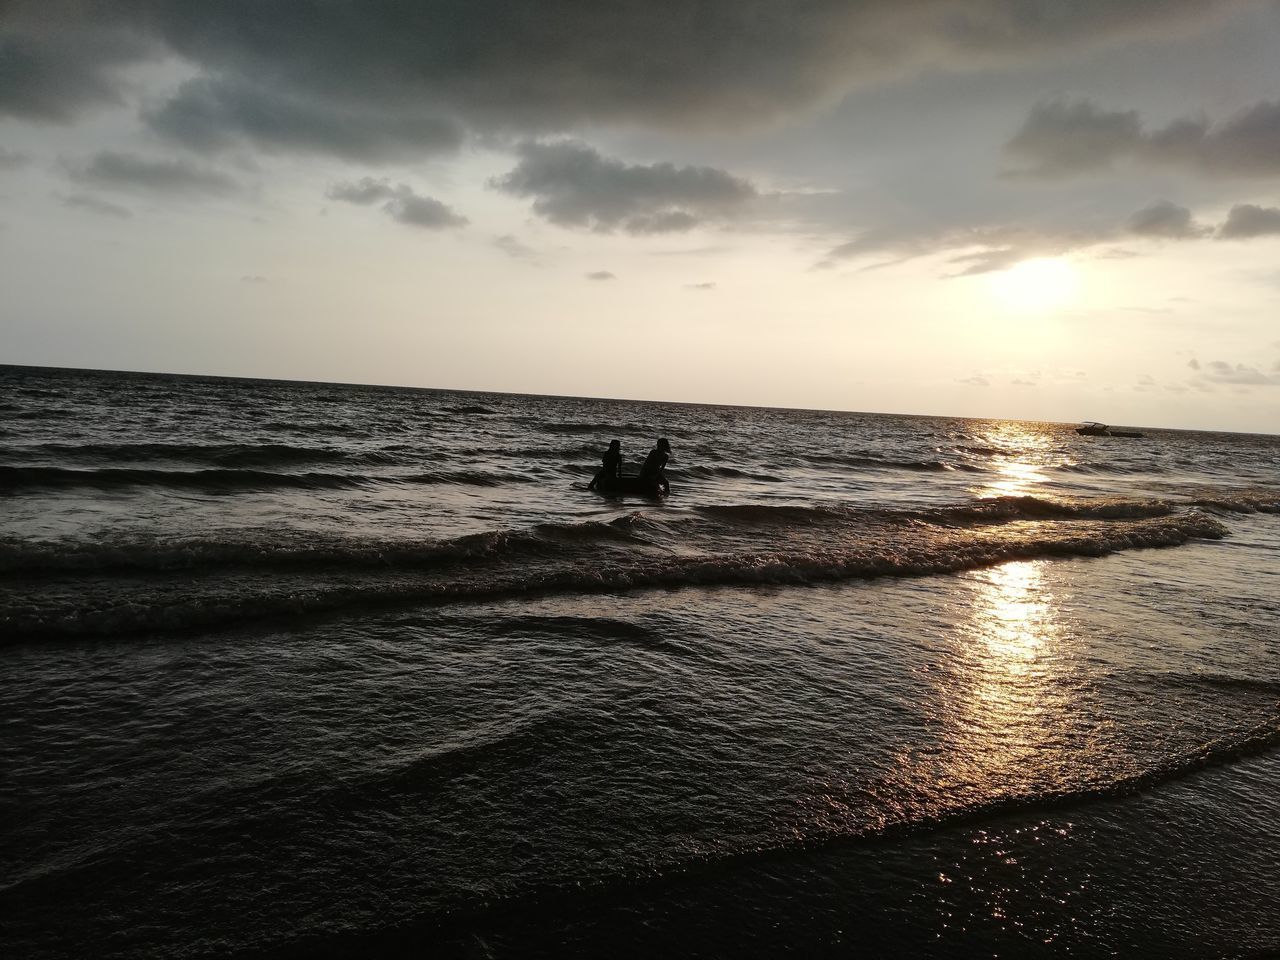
(655, 464)
(610, 470)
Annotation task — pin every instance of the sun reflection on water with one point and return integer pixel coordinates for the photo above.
(1013, 617)
(1000, 699)
(1023, 454)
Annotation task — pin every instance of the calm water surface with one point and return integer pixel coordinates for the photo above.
(310, 669)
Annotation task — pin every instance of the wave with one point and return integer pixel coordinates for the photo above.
(220, 481)
(271, 552)
(982, 512)
(604, 429)
(1111, 467)
(495, 566)
(224, 455)
(1242, 501)
(871, 461)
(728, 472)
(469, 409)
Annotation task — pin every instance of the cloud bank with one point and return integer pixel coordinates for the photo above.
(375, 79)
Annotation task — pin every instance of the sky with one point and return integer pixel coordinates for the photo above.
(1040, 209)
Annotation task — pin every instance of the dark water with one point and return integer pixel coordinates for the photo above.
(308, 669)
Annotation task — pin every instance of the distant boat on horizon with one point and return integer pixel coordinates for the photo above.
(1091, 428)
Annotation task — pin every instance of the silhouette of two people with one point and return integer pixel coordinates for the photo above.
(652, 473)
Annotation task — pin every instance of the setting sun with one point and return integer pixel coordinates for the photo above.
(1044, 283)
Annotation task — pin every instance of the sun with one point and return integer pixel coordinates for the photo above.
(1042, 284)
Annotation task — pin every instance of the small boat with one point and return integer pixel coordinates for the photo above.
(1091, 428)
(630, 484)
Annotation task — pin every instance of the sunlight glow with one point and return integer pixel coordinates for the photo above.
(1044, 283)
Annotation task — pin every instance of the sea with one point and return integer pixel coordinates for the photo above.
(323, 670)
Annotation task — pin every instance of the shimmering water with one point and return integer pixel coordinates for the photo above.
(311, 669)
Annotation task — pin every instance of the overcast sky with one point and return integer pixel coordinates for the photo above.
(1045, 209)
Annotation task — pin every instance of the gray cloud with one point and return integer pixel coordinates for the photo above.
(399, 202)
(977, 380)
(211, 115)
(1245, 220)
(12, 159)
(363, 191)
(500, 65)
(1193, 363)
(1219, 371)
(105, 208)
(177, 177)
(426, 212)
(601, 275)
(574, 186)
(1062, 138)
(253, 278)
(709, 285)
(1165, 220)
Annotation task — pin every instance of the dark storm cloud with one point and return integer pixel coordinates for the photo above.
(105, 208)
(125, 171)
(574, 186)
(399, 202)
(1165, 220)
(215, 115)
(54, 63)
(1245, 220)
(1063, 138)
(286, 74)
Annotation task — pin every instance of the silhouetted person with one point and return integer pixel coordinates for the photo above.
(611, 468)
(654, 465)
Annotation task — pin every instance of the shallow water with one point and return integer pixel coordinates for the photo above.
(299, 668)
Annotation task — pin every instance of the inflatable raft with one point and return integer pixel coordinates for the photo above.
(629, 485)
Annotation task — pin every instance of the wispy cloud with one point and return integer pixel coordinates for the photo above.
(399, 202)
(514, 248)
(104, 208)
(12, 159)
(159, 177)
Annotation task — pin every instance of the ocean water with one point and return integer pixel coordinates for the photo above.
(324, 670)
